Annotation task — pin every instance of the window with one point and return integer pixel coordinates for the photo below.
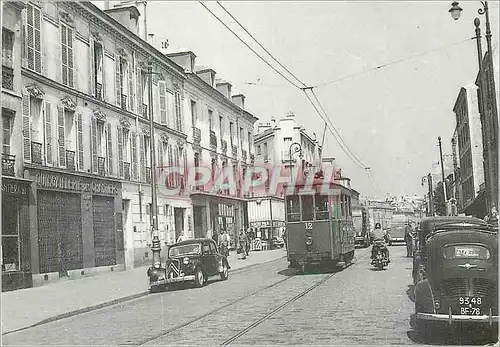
(101, 140)
(10, 238)
(307, 207)
(259, 151)
(249, 142)
(321, 210)
(123, 71)
(147, 151)
(33, 28)
(194, 116)
(7, 68)
(7, 133)
(231, 133)
(242, 135)
(178, 112)
(210, 115)
(265, 150)
(292, 208)
(98, 69)
(221, 127)
(126, 146)
(166, 210)
(36, 120)
(67, 55)
(70, 133)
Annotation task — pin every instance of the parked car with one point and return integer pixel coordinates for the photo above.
(459, 274)
(193, 261)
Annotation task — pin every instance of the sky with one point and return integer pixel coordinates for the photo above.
(390, 118)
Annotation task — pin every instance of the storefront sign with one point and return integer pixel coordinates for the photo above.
(267, 224)
(76, 184)
(14, 189)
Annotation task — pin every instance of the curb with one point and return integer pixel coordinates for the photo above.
(112, 302)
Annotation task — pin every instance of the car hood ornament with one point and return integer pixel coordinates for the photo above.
(467, 266)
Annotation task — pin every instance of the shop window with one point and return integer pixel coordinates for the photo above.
(10, 238)
(307, 208)
(321, 209)
(293, 208)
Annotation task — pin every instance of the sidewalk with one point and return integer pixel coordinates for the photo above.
(25, 307)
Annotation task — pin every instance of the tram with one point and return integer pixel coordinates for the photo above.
(319, 225)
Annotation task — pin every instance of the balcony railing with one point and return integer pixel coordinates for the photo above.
(148, 175)
(213, 139)
(145, 113)
(244, 155)
(7, 78)
(8, 162)
(101, 166)
(98, 91)
(234, 150)
(70, 160)
(36, 153)
(126, 171)
(223, 146)
(196, 135)
(124, 102)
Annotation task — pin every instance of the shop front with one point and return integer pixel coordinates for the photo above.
(16, 257)
(266, 234)
(78, 225)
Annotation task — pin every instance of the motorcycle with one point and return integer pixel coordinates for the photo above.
(380, 260)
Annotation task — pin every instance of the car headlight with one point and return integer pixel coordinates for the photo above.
(185, 261)
(157, 265)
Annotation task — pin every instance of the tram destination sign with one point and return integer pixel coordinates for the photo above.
(75, 184)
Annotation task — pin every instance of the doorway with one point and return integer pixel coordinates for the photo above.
(179, 221)
(199, 222)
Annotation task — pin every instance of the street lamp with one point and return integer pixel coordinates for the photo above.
(488, 102)
(295, 148)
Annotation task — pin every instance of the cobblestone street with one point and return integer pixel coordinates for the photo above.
(265, 304)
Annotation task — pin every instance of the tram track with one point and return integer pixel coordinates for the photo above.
(241, 299)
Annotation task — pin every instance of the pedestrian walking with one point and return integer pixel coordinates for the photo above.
(409, 241)
(215, 236)
(242, 245)
(284, 238)
(224, 243)
(249, 241)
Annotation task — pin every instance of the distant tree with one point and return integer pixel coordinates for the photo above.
(438, 200)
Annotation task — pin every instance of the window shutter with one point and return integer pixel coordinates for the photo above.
(26, 128)
(48, 133)
(64, 55)
(92, 67)
(138, 80)
(79, 129)
(119, 137)
(133, 153)
(118, 86)
(110, 151)
(24, 38)
(93, 132)
(71, 66)
(178, 116)
(60, 136)
(163, 102)
(37, 20)
(143, 158)
(170, 164)
(131, 94)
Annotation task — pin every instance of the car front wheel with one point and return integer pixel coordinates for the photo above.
(199, 278)
(225, 273)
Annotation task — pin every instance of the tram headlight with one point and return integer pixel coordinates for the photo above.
(309, 241)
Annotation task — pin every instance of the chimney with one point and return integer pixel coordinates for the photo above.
(224, 87)
(239, 100)
(272, 122)
(184, 59)
(208, 75)
(128, 16)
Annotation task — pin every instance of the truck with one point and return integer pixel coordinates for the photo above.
(397, 229)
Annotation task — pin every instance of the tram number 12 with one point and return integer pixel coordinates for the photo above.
(308, 225)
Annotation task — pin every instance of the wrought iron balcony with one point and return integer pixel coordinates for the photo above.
(98, 91)
(126, 171)
(124, 102)
(148, 175)
(36, 153)
(7, 78)
(101, 166)
(196, 135)
(223, 146)
(145, 113)
(70, 160)
(234, 150)
(213, 139)
(244, 155)
(8, 162)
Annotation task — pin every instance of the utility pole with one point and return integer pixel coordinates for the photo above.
(442, 174)
(154, 202)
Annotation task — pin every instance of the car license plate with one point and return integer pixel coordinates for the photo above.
(470, 306)
(466, 252)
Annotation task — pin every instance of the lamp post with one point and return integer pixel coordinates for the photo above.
(488, 109)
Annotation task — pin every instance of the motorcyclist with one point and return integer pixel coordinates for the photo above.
(379, 235)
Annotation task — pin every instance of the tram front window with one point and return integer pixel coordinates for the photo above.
(307, 207)
(293, 208)
(321, 207)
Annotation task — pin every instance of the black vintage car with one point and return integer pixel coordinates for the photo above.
(458, 273)
(190, 261)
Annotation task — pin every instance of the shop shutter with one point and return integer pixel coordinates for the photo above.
(131, 94)
(92, 67)
(143, 158)
(79, 128)
(48, 132)
(119, 137)
(133, 153)
(93, 132)
(163, 102)
(61, 136)
(110, 151)
(118, 86)
(104, 230)
(26, 128)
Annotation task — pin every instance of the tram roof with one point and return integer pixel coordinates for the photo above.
(319, 184)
